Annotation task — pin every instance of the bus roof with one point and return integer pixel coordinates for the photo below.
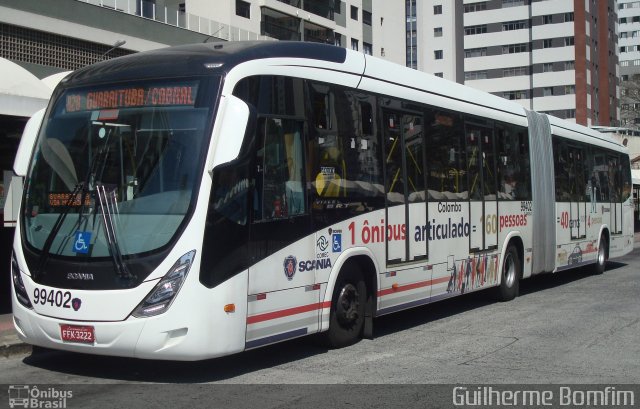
(199, 59)
(221, 57)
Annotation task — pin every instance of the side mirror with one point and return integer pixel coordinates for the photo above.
(25, 149)
(20, 167)
(229, 130)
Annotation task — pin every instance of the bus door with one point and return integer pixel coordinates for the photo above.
(481, 170)
(282, 245)
(578, 207)
(615, 194)
(406, 206)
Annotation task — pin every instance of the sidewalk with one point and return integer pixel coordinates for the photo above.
(10, 344)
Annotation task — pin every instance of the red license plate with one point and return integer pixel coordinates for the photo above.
(84, 334)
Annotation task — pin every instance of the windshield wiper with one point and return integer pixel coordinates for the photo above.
(107, 203)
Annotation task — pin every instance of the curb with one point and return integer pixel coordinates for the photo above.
(8, 350)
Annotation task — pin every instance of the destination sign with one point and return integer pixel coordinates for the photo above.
(64, 199)
(132, 97)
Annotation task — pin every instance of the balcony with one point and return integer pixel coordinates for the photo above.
(320, 8)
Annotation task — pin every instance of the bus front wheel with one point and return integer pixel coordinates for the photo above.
(603, 255)
(347, 309)
(510, 275)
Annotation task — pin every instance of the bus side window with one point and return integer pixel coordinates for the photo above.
(513, 163)
(561, 165)
(626, 177)
(279, 174)
(446, 160)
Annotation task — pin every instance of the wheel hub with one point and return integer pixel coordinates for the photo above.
(348, 305)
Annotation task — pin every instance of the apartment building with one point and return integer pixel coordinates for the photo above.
(435, 38)
(629, 49)
(368, 26)
(554, 56)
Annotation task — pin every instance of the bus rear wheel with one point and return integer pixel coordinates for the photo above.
(510, 275)
(347, 309)
(603, 255)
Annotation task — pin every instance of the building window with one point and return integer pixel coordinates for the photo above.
(514, 48)
(475, 75)
(547, 91)
(548, 19)
(439, 74)
(366, 17)
(437, 9)
(569, 65)
(570, 113)
(512, 3)
(367, 48)
(354, 44)
(569, 89)
(568, 17)
(354, 13)
(547, 67)
(437, 54)
(622, 20)
(471, 8)
(475, 52)
(515, 71)
(568, 41)
(437, 32)
(337, 39)
(243, 9)
(623, 49)
(515, 95)
(473, 30)
(514, 25)
(547, 43)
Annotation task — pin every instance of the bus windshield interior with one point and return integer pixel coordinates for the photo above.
(115, 167)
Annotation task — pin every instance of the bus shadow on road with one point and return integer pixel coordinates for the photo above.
(227, 368)
(425, 314)
(119, 369)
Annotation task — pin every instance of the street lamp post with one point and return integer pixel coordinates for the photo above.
(117, 44)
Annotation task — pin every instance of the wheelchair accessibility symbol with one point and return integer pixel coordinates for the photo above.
(81, 242)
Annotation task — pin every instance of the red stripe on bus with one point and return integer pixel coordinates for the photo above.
(254, 319)
(413, 286)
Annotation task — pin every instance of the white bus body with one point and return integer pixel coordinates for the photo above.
(174, 279)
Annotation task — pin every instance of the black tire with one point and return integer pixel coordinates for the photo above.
(510, 275)
(602, 256)
(347, 309)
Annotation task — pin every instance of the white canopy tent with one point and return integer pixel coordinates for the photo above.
(22, 93)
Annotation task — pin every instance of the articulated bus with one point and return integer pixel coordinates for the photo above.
(198, 201)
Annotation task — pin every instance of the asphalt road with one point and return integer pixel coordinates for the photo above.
(568, 328)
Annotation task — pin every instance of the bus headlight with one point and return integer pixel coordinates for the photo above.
(18, 285)
(160, 298)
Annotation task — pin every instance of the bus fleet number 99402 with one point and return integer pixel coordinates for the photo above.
(54, 297)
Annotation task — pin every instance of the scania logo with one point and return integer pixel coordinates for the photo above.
(290, 264)
(76, 303)
(79, 276)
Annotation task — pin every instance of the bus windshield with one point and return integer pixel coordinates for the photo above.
(115, 168)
